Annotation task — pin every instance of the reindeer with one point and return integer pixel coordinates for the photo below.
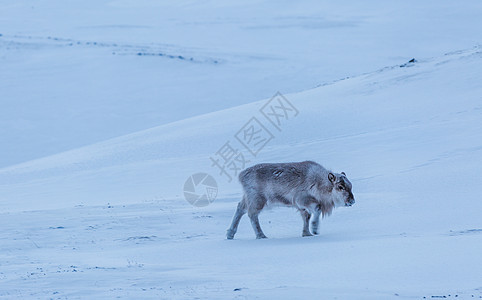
(306, 186)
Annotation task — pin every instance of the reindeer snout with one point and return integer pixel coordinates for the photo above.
(350, 201)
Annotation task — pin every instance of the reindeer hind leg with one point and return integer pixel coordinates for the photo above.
(240, 211)
(253, 211)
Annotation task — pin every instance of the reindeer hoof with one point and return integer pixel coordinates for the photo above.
(262, 236)
(306, 234)
(230, 234)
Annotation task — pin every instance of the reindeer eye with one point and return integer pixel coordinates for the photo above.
(340, 187)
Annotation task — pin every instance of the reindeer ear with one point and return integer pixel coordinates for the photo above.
(332, 177)
(343, 173)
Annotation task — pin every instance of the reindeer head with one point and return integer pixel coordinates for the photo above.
(341, 192)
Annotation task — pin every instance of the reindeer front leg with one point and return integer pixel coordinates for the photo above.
(315, 221)
(306, 221)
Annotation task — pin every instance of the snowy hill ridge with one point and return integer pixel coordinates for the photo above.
(147, 137)
(108, 220)
(187, 144)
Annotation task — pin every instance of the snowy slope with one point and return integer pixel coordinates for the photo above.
(71, 74)
(110, 220)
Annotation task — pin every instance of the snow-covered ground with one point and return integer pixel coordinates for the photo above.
(110, 219)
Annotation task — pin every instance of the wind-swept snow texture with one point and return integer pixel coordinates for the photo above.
(109, 220)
